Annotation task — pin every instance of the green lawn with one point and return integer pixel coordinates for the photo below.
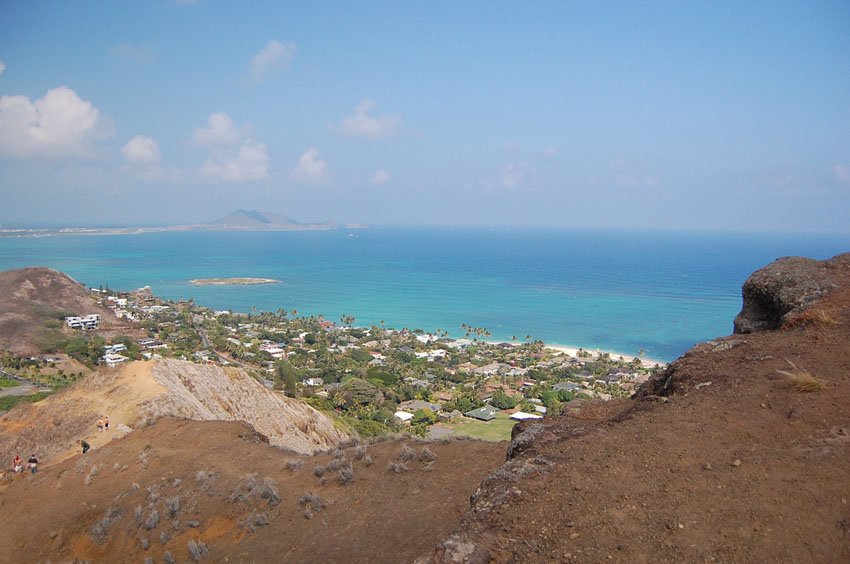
(499, 429)
(8, 382)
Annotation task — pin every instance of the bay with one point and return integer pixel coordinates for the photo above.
(612, 290)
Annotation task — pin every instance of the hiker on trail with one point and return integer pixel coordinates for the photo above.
(100, 425)
(33, 464)
(18, 464)
(106, 423)
(85, 445)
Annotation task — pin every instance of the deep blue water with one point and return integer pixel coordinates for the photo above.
(622, 291)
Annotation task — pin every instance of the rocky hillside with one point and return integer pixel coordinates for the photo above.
(139, 393)
(34, 299)
(209, 392)
(740, 452)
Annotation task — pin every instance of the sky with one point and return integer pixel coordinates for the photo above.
(637, 115)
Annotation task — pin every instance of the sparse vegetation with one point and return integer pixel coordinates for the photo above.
(802, 380)
(345, 474)
(255, 520)
(310, 504)
(292, 465)
(252, 486)
(407, 454)
(172, 506)
(197, 550)
(99, 530)
(397, 467)
(153, 519)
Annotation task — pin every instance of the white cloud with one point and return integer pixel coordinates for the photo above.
(2, 67)
(513, 175)
(58, 125)
(275, 55)
(310, 168)
(361, 124)
(140, 54)
(250, 163)
(550, 151)
(632, 181)
(379, 177)
(141, 149)
(841, 173)
(220, 131)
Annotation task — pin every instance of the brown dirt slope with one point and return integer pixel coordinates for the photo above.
(31, 296)
(139, 393)
(726, 457)
(220, 484)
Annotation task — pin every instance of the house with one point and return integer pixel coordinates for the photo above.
(87, 322)
(466, 367)
(486, 413)
(522, 416)
(488, 369)
(540, 409)
(313, 382)
(566, 387)
(112, 359)
(403, 416)
(414, 405)
(114, 349)
(448, 416)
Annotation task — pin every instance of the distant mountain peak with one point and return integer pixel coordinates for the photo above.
(249, 218)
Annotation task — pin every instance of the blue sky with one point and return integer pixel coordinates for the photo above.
(675, 115)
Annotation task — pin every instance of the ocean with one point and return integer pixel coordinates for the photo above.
(610, 290)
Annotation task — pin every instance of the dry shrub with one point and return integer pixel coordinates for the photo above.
(168, 558)
(406, 454)
(137, 515)
(164, 537)
(310, 504)
(99, 529)
(255, 520)
(359, 452)
(292, 465)
(149, 560)
(252, 486)
(172, 506)
(802, 380)
(427, 455)
(367, 459)
(152, 520)
(397, 467)
(319, 471)
(145, 543)
(197, 550)
(345, 474)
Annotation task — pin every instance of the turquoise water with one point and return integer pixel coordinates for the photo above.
(623, 291)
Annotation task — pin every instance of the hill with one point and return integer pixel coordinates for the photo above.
(35, 300)
(739, 452)
(221, 484)
(253, 220)
(140, 393)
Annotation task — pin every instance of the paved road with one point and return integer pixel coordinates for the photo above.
(26, 388)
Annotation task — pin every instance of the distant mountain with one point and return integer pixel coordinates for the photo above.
(253, 218)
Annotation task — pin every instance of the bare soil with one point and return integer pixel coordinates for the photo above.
(378, 516)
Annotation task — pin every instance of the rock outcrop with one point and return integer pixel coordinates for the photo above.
(784, 288)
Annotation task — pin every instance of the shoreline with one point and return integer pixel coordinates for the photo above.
(646, 362)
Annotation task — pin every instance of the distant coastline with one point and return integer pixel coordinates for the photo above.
(232, 281)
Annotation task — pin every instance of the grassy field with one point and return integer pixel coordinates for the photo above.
(499, 429)
(8, 382)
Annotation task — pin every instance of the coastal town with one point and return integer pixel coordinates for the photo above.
(374, 380)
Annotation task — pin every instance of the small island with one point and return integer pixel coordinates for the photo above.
(232, 281)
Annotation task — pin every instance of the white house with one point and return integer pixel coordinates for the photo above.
(403, 416)
(113, 359)
(88, 322)
(114, 349)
